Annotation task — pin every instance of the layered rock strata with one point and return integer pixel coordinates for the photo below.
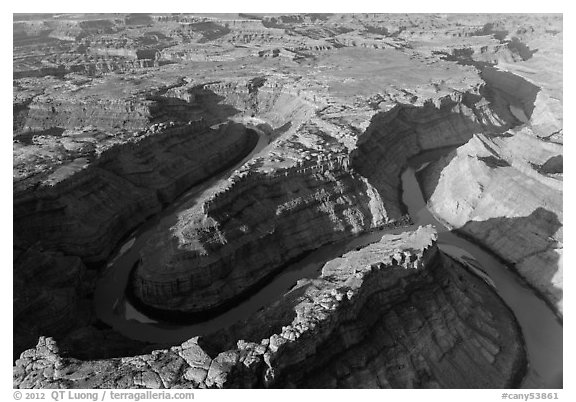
(77, 216)
(45, 112)
(88, 66)
(394, 136)
(435, 325)
(505, 191)
(212, 254)
(525, 225)
(87, 213)
(48, 289)
(53, 298)
(354, 79)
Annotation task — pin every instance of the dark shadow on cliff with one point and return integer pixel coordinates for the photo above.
(537, 230)
(490, 29)
(52, 298)
(519, 47)
(405, 131)
(553, 165)
(64, 311)
(210, 30)
(196, 101)
(494, 77)
(264, 207)
(262, 325)
(27, 137)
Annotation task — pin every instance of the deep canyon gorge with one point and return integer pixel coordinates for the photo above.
(287, 201)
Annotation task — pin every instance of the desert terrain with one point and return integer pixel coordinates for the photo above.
(287, 201)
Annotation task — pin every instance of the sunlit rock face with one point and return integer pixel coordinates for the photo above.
(395, 314)
(256, 140)
(506, 190)
(492, 191)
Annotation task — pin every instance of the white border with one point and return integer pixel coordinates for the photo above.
(293, 6)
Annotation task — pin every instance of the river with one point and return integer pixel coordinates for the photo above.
(541, 329)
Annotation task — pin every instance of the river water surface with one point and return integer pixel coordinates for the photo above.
(541, 329)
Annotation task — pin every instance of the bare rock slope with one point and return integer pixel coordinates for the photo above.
(116, 116)
(396, 314)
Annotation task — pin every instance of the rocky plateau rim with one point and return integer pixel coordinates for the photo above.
(451, 99)
(527, 109)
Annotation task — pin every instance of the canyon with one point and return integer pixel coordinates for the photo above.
(231, 150)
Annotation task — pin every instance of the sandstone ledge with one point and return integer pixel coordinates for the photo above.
(333, 188)
(446, 318)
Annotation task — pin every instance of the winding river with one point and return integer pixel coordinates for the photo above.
(541, 329)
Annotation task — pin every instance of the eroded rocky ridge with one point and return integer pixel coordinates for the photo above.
(525, 226)
(505, 191)
(342, 132)
(436, 326)
(76, 216)
(342, 187)
(85, 215)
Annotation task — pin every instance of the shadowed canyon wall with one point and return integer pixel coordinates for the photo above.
(110, 130)
(210, 259)
(404, 275)
(505, 191)
(85, 216)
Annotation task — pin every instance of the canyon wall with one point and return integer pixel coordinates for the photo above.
(432, 320)
(61, 225)
(505, 191)
(87, 214)
(89, 66)
(395, 314)
(524, 226)
(45, 112)
(394, 136)
(212, 255)
(48, 289)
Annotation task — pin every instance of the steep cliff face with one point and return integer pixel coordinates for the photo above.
(46, 112)
(376, 92)
(78, 217)
(505, 191)
(86, 214)
(395, 136)
(439, 329)
(524, 226)
(61, 219)
(87, 65)
(273, 101)
(435, 325)
(48, 288)
(394, 314)
(213, 253)
(52, 297)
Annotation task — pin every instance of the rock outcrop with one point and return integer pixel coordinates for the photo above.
(209, 257)
(396, 314)
(88, 213)
(47, 111)
(213, 253)
(394, 136)
(115, 117)
(505, 191)
(49, 290)
(78, 217)
(490, 191)
(53, 298)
